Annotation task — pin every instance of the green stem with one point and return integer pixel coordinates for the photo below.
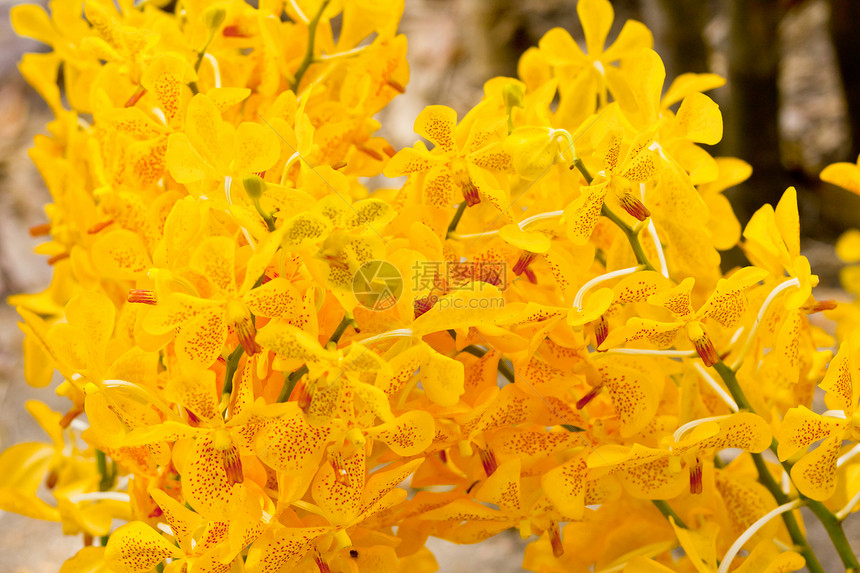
(668, 512)
(341, 328)
(202, 52)
(293, 378)
(267, 217)
(309, 53)
(833, 527)
(461, 208)
(582, 169)
(734, 387)
(106, 481)
(632, 235)
(506, 371)
(232, 366)
(290, 382)
(503, 367)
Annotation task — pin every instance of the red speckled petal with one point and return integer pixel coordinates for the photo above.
(728, 302)
(289, 343)
(121, 255)
(205, 485)
(403, 366)
(502, 488)
(839, 383)
(639, 286)
(408, 434)
(136, 548)
(745, 500)
(176, 309)
(660, 334)
(802, 427)
(565, 487)
(439, 186)
(678, 301)
(215, 258)
(291, 445)
(201, 340)
(744, 430)
(815, 473)
(281, 548)
(195, 390)
(410, 160)
(632, 394)
(340, 499)
(273, 299)
(436, 123)
(182, 521)
(463, 510)
(380, 493)
(582, 214)
(165, 77)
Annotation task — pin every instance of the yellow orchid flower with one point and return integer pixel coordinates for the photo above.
(212, 150)
(814, 473)
(619, 171)
(587, 75)
(656, 473)
(468, 156)
(725, 306)
(203, 323)
(845, 175)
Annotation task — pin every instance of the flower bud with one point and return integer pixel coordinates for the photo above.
(213, 17)
(512, 95)
(254, 186)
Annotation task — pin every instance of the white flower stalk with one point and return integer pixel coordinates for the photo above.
(679, 433)
(299, 12)
(736, 335)
(794, 282)
(847, 456)
(101, 496)
(344, 54)
(661, 256)
(539, 217)
(293, 158)
(739, 543)
(228, 183)
(522, 225)
(216, 70)
(651, 352)
(577, 300)
(733, 406)
(843, 513)
(396, 333)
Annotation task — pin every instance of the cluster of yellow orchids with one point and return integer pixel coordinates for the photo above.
(271, 367)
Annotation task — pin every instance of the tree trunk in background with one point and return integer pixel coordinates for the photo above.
(752, 129)
(844, 17)
(684, 37)
(490, 36)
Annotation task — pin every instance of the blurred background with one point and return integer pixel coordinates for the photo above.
(791, 105)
